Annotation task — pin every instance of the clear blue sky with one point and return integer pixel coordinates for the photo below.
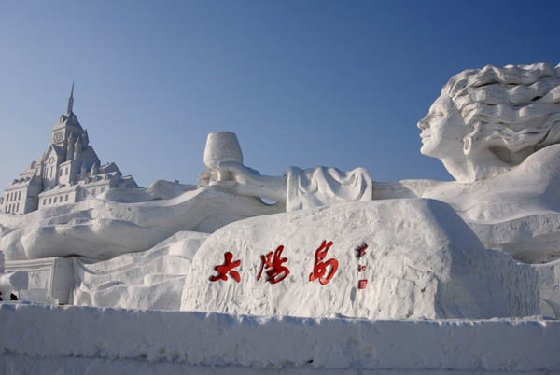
(306, 83)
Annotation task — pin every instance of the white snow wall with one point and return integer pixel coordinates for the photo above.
(38, 339)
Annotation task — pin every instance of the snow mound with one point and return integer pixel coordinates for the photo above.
(150, 280)
(422, 261)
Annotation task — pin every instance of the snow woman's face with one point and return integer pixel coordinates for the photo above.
(443, 130)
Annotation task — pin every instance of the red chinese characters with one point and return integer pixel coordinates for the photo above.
(227, 268)
(361, 250)
(360, 253)
(272, 263)
(321, 270)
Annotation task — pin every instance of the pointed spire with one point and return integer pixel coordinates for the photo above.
(71, 101)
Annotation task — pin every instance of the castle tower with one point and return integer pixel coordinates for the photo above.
(67, 125)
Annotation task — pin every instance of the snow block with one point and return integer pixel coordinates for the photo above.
(42, 340)
(398, 259)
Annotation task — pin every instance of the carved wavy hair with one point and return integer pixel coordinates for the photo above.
(514, 110)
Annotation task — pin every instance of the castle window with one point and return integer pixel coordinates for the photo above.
(17, 207)
(66, 198)
(50, 200)
(93, 192)
(44, 202)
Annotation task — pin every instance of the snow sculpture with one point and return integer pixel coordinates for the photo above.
(422, 262)
(220, 147)
(496, 131)
(60, 175)
(323, 186)
(487, 121)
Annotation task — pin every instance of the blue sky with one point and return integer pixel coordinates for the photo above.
(305, 83)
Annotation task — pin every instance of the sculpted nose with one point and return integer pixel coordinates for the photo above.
(422, 124)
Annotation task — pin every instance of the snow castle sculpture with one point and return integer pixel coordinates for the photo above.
(69, 171)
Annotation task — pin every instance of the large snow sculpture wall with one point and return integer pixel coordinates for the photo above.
(399, 259)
